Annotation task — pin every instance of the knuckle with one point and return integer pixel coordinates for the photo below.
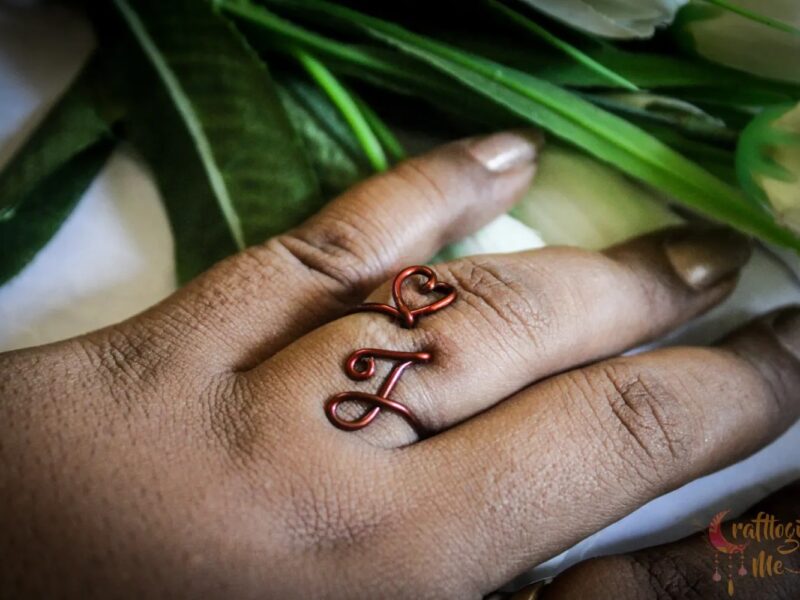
(499, 295)
(645, 419)
(761, 357)
(671, 576)
(638, 576)
(337, 250)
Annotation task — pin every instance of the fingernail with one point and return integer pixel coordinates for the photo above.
(504, 151)
(786, 325)
(703, 257)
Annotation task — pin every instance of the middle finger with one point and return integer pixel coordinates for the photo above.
(518, 318)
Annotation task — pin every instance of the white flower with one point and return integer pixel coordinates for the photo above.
(735, 41)
(575, 200)
(612, 18)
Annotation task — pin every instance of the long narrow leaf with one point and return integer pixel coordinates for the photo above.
(348, 106)
(208, 118)
(336, 156)
(383, 132)
(606, 74)
(562, 113)
(385, 68)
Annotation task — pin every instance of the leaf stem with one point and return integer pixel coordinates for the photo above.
(567, 48)
(349, 108)
(382, 131)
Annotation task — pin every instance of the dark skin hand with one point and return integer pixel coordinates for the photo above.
(684, 569)
(185, 452)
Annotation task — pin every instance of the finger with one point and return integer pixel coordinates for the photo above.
(582, 449)
(687, 568)
(249, 306)
(517, 318)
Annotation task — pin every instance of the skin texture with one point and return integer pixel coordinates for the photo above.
(683, 569)
(185, 452)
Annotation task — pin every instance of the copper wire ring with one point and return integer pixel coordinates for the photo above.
(360, 365)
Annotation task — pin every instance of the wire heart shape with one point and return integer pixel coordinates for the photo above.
(401, 311)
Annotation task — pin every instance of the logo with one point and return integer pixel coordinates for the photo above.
(764, 544)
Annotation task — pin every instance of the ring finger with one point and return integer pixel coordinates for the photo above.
(518, 318)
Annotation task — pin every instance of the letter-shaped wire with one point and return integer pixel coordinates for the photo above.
(381, 400)
(360, 365)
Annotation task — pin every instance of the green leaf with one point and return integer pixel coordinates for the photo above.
(348, 106)
(649, 70)
(768, 162)
(382, 67)
(603, 72)
(45, 207)
(206, 115)
(667, 110)
(383, 132)
(80, 119)
(567, 116)
(44, 180)
(334, 151)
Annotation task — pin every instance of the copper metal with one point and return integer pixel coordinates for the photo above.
(407, 316)
(360, 365)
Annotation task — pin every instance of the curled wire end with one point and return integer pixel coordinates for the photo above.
(360, 365)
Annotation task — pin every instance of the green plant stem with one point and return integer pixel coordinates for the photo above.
(382, 131)
(757, 17)
(258, 15)
(350, 110)
(568, 49)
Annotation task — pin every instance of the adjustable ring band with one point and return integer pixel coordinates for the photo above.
(360, 365)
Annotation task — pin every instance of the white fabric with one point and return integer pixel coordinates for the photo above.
(113, 258)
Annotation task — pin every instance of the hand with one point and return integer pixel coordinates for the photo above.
(186, 452)
(685, 568)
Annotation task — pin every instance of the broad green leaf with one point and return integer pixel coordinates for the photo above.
(768, 162)
(206, 115)
(334, 151)
(47, 176)
(81, 118)
(45, 207)
(569, 117)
